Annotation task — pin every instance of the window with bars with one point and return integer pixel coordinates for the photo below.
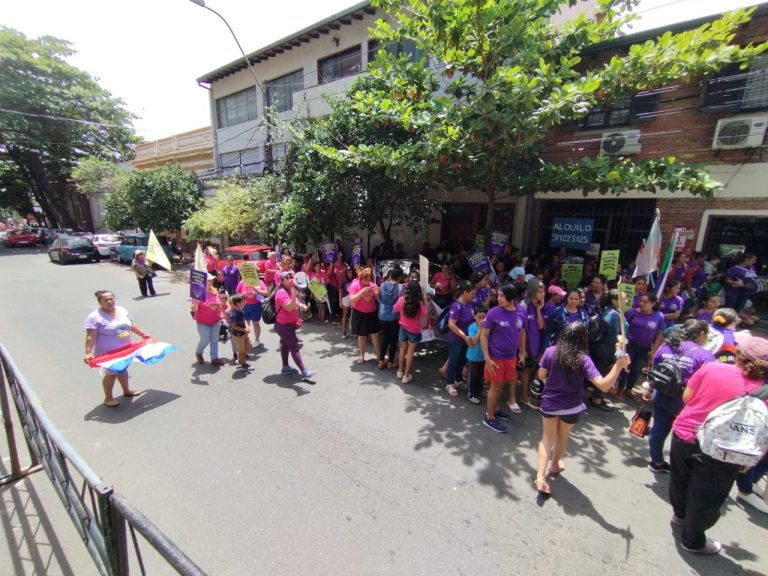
(249, 161)
(622, 112)
(407, 47)
(237, 108)
(736, 90)
(619, 224)
(280, 90)
(341, 65)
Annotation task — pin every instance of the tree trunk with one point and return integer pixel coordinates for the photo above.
(491, 194)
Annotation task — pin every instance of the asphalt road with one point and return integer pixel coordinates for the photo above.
(354, 474)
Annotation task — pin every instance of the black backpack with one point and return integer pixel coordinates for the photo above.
(666, 378)
(597, 328)
(268, 312)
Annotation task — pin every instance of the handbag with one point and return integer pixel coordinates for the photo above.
(641, 422)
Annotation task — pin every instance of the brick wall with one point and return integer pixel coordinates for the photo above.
(687, 212)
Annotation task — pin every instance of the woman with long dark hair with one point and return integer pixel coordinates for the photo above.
(569, 311)
(363, 293)
(684, 348)
(460, 317)
(735, 286)
(563, 368)
(645, 329)
(389, 292)
(411, 307)
(671, 303)
(287, 307)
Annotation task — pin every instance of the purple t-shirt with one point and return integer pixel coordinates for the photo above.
(546, 312)
(563, 389)
(670, 306)
(505, 327)
(463, 315)
(705, 315)
(230, 275)
(690, 356)
(591, 303)
(110, 334)
(481, 295)
(643, 328)
(532, 332)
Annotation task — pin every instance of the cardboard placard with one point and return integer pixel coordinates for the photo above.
(609, 264)
(249, 273)
(571, 274)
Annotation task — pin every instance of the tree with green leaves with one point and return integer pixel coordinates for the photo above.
(330, 196)
(52, 115)
(245, 210)
(502, 77)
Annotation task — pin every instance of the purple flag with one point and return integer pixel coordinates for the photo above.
(197, 283)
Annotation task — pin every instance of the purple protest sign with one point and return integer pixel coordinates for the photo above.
(197, 282)
(278, 256)
(328, 250)
(478, 261)
(498, 243)
(357, 253)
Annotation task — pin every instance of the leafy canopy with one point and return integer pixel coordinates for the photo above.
(501, 77)
(51, 116)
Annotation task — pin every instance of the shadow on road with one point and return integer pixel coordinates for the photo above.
(131, 407)
(288, 382)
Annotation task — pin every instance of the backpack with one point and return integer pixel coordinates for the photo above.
(666, 378)
(736, 432)
(442, 320)
(268, 312)
(597, 328)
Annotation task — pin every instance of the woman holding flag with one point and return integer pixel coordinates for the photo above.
(108, 328)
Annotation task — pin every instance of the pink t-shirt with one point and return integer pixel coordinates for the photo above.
(270, 269)
(365, 303)
(321, 276)
(209, 312)
(443, 283)
(282, 297)
(410, 324)
(249, 292)
(712, 384)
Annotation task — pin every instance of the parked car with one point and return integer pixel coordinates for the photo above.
(104, 242)
(245, 253)
(3, 234)
(67, 249)
(21, 237)
(133, 242)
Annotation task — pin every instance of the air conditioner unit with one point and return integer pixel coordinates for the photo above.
(620, 142)
(739, 132)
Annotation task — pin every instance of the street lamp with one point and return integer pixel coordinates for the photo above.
(267, 122)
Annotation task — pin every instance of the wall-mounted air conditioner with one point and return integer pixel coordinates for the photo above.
(620, 142)
(739, 132)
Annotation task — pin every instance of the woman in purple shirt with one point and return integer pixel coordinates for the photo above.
(230, 276)
(534, 327)
(564, 368)
(461, 315)
(735, 287)
(671, 303)
(645, 327)
(684, 347)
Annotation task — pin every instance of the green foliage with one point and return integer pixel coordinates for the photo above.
(333, 194)
(55, 115)
(246, 210)
(98, 176)
(506, 78)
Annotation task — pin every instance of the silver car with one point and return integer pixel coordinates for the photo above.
(104, 242)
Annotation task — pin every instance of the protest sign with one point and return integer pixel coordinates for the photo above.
(498, 243)
(424, 272)
(249, 273)
(478, 261)
(572, 233)
(197, 282)
(571, 274)
(629, 295)
(480, 241)
(609, 264)
(357, 254)
(328, 250)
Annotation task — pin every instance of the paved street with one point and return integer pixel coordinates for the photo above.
(352, 475)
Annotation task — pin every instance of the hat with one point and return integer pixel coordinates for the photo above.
(137, 252)
(517, 271)
(754, 348)
(286, 274)
(531, 287)
(529, 277)
(555, 290)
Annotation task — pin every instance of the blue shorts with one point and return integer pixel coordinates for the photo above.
(252, 312)
(408, 336)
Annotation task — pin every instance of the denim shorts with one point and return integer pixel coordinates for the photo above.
(408, 336)
(252, 312)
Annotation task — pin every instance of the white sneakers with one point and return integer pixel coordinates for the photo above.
(753, 500)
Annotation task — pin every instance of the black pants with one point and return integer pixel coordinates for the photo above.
(389, 334)
(145, 284)
(475, 379)
(333, 300)
(697, 489)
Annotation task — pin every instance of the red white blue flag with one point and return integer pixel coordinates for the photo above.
(147, 351)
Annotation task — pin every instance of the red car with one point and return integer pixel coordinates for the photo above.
(21, 237)
(240, 254)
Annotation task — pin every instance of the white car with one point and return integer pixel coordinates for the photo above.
(104, 242)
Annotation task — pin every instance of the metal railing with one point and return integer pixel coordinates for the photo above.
(102, 517)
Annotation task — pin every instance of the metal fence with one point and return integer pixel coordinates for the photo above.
(103, 518)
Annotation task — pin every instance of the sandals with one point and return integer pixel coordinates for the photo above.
(556, 471)
(514, 408)
(452, 390)
(381, 365)
(360, 360)
(542, 488)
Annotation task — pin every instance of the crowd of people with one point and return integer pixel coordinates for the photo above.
(516, 338)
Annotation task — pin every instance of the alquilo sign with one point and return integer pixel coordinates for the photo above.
(572, 233)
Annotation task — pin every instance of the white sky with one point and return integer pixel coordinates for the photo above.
(149, 52)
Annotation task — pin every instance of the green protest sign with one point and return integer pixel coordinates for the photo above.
(629, 294)
(609, 263)
(249, 273)
(571, 274)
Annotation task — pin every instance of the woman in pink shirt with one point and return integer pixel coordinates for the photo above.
(365, 317)
(699, 484)
(321, 277)
(444, 283)
(254, 296)
(287, 307)
(207, 315)
(412, 308)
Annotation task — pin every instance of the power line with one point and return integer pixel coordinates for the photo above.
(76, 120)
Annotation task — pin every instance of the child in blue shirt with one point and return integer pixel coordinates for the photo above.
(475, 357)
(238, 329)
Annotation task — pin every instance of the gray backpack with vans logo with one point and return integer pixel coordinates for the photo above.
(737, 431)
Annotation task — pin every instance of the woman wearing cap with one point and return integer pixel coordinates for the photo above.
(286, 322)
(144, 273)
(207, 315)
(556, 295)
(699, 484)
(365, 318)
